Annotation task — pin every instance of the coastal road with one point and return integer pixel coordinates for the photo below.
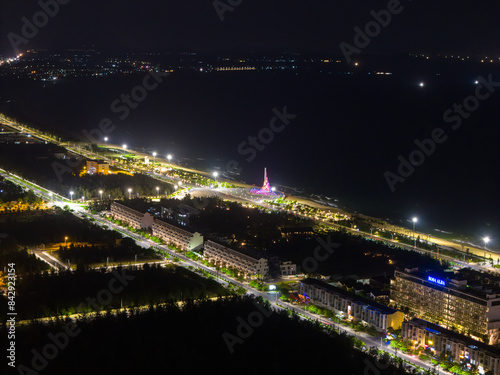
(187, 262)
(473, 249)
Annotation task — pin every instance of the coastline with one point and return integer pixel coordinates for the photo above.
(474, 249)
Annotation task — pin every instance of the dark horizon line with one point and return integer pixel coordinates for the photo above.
(242, 51)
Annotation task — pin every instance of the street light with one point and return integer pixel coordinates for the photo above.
(154, 157)
(129, 193)
(100, 193)
(65, 241)
(415, 239)
(124, 146)
(71, 194)
(157, 191)
(105, 139)
(486, 240)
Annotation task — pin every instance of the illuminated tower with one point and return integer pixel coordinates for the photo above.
(266, 188)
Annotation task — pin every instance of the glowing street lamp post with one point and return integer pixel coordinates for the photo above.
(414, 238)
(169, 157)
(215, 174)
(71, 194)
(100, 193)
(129, 193)
(157, 191)
(486, 240)
(154, 157)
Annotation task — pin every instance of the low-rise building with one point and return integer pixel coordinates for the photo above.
(460, 348)
(183, 238)
(288, 268)
(349, 305)
(96, 166)
(134, 218)
(217, 253)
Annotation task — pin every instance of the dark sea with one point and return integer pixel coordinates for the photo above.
(348, 131)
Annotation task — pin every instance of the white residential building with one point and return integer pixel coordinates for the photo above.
(134, 218)
(249, 265)
(349, 305)
(172, 234)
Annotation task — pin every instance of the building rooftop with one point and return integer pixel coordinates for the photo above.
(353, 296)
(240, 253)
(436, 329)
(462, 282)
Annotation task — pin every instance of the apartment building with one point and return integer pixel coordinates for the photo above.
(462, 349)
(217, 253)
(470, 307)
(350, 305)
(288, 268)
(183, 238)
(134, 218)
(96, 166)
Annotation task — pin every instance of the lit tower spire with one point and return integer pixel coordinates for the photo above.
(266, 187)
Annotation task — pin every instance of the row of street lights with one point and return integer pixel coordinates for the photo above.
(154, 153)
(486, 239)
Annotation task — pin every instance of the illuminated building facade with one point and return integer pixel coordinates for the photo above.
(217, 253)
(134, 218)
(180, 237)
(349, 305)
(448, 299)
(95, 166)
(461, 349)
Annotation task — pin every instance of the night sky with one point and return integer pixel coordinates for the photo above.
(453, 26)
